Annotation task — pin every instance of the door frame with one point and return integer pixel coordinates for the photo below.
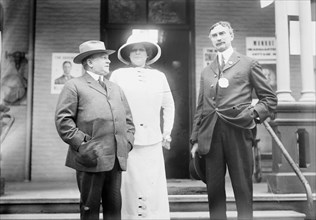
(189, 27)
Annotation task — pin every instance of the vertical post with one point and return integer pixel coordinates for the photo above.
(282, 49)
(306, 42)
(29, 109)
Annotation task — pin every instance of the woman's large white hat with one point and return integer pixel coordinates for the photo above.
(123, 52)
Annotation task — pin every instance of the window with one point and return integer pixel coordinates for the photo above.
(147, 11)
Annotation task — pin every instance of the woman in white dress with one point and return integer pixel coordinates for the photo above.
(144, 185)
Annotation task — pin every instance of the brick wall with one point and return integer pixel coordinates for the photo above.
(248, 19)
(60, 27)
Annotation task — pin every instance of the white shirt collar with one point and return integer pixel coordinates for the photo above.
(226, 54)
(94, 75)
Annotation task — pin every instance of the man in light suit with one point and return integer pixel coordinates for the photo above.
(224, 125)
(94, 118)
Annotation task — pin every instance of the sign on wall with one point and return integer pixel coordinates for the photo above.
(63, 69)
(209, 54)
(261, 48)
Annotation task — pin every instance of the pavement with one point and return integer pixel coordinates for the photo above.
(68, 190)
(179, 190)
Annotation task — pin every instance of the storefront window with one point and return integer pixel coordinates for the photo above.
(126, 11)
(147, 11)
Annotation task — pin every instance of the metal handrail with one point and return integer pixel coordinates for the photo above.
(8, 126)
(295, 168)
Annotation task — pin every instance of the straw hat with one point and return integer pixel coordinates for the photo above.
(123, 52)
(91, 47)
(197, 168)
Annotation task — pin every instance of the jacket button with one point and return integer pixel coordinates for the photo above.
(216, 109)
(212, 85)
(213, 98)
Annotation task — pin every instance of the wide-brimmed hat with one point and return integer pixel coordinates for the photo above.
(91, 47)
(124, 51)
(197, 168)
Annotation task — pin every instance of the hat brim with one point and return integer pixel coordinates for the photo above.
(197, 168)
(123, 52)
(78, 59)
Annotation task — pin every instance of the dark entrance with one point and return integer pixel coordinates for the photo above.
(174, 41)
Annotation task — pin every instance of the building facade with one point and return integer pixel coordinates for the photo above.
(38, 35)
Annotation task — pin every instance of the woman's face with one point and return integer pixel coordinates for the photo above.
(138, 55)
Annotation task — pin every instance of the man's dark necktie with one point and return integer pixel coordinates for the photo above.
(102, 83)
(222, 64)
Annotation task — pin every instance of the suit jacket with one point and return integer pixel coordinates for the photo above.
(232, 104)
(85, 111)
(63, 79)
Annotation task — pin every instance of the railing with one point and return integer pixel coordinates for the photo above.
(7, 126)
(298, 172)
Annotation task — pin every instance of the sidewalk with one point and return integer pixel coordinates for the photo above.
(188, 200)
(62, 190)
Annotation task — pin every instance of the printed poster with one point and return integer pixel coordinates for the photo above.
(63, 69)
(263, 49)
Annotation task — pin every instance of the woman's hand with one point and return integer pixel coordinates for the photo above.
(194, 149)
(166, 140)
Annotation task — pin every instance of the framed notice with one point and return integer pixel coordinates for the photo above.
(269, 70)
(63, 69)
(261, 48)
(209, 54)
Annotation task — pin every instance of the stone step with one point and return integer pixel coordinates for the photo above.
(232, 215)
(178, 203)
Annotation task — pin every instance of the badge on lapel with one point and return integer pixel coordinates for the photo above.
(223, 82)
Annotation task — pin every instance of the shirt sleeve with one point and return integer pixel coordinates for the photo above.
(168, 108)
(267, 98)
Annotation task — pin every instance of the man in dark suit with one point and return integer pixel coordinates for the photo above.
(224, 125)
(93, 117)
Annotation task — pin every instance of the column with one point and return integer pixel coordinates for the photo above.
(306, 43)
(282, 49)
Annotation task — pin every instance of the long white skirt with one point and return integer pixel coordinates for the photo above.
(144, 184)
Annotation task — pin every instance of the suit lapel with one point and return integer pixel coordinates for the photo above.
(94, 84)
(234, 58)
(214, 66)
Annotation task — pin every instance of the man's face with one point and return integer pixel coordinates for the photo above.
(67, 68)
(221, 38)
(100, 64)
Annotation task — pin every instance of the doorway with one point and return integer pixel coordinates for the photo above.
(174, 63)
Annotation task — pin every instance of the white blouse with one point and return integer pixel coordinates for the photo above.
(147, 92)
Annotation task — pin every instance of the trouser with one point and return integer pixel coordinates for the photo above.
(231, 148)
(95, 187)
